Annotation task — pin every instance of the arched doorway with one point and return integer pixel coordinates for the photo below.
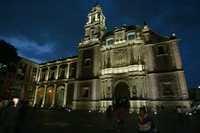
(49, 96)
(60, 96)
(121, 95)
(40, 95)
(70, 95)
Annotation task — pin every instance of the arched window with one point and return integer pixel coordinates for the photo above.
(131, 36)
(109, 41)
(167, 89)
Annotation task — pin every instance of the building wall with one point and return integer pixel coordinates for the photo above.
(20, 83)
(146, 64)
(56, 79)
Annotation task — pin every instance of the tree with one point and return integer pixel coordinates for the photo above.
(8, 56)
(8, 66)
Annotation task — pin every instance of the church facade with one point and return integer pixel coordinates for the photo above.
(131, 63)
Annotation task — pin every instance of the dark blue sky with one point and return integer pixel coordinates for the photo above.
(43, 30)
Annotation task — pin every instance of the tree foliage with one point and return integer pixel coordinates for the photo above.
(8, 55)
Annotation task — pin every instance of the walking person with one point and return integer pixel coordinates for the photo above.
(145, 122)
(2, 107)
(109, 118)
(9, 117)
(120, 119)
(22, 109)
(109, 112)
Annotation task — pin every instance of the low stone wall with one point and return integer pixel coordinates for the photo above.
(134, 105)
(85, 105)
(104, 104)
(170, 105)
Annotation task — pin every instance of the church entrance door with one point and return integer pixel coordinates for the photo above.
(121, 95)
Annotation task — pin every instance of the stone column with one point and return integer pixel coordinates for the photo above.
(44, 96)
(68, 66)
(111, 88)
(47, 76)
(102, 89)
(145, 87)
(35, 96)
(90, 19)
(94, 90)
(96, 60)
(102, 60)
(105, 59)
(75, 96)
(176, 57)
(110, 61)
(183, 85)
(96, 17)
(39, 74)
(65, 95)
(54, 96)
(152, 83)
(131, 91)
(57, 72)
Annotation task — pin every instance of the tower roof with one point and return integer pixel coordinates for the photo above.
(98, 4)
(124, 27)
(154, 37)
(96, 7)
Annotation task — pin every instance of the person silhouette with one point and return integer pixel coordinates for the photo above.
(145, 122)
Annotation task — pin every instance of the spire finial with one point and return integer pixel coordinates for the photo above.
(146, 27)
(145, 23)
(97, 6)
(173, 36)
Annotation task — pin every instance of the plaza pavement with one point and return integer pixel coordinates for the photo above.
(52, 121)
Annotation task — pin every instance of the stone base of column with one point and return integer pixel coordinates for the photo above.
(85, 105)
(170, 105)
(42, 106)
(104, 104)
(52, 106)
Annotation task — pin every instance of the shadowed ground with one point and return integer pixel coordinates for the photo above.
(51, 121)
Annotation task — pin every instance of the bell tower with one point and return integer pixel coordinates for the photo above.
(95, 25)
(86, 90)
(89, 47)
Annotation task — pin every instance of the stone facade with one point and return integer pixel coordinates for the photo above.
(25, 80)
(20, 82)
(131, 62)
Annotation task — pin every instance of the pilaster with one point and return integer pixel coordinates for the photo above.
(65, 95)
(39, 74)
(57, 72)
(44, 96)
(183, 85)
(68, 66)
(94, 90)
(35, 96)
(54, 95)
(47, 75)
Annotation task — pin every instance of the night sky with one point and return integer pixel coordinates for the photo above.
(44, 30)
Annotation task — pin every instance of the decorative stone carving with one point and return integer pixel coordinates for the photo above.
(119, 57)
(122, 60)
